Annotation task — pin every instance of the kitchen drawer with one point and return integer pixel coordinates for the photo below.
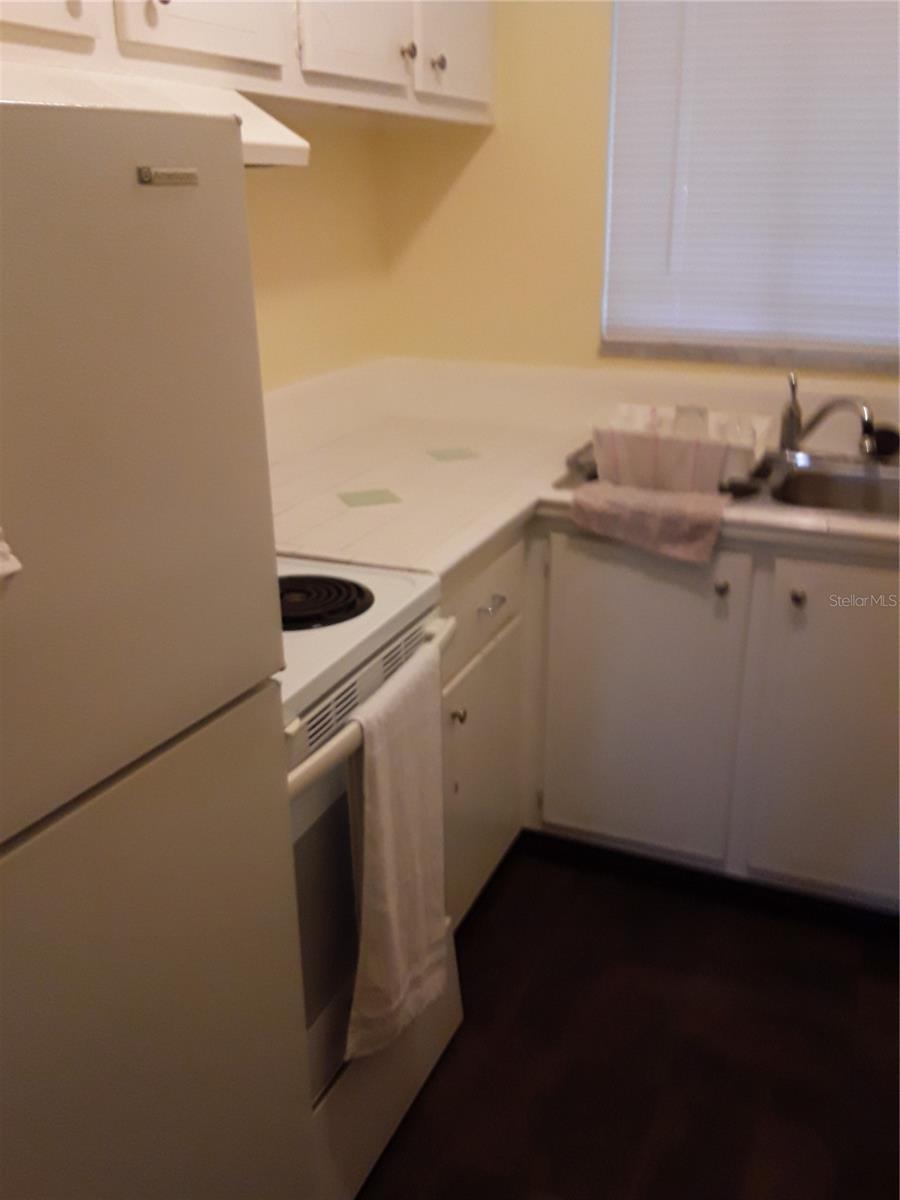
(483, 604)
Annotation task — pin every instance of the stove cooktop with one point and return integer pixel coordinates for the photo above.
(311, 601)
(318, 657)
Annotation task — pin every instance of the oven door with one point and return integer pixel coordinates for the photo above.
(327, 839)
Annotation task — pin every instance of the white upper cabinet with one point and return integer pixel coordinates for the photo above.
(76, 17)
(366, 40)
(236, 29)
(454, 39)
(429, 58)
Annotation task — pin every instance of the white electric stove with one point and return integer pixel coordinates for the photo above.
(357, 626)
(378, 616)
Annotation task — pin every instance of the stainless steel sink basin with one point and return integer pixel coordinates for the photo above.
(851, 487)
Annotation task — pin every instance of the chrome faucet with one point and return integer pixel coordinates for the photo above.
(791, 418)
(794, 430)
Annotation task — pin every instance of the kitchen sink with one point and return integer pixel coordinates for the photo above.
(851, 487)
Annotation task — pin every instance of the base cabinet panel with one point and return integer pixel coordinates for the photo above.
(645, 659)
(482, 766)
(823, 786)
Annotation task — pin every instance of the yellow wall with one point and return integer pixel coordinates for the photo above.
(426, 239)
(506, 262)
(320, 273)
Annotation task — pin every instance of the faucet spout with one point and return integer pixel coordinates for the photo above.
(836, 404)
(791, 418)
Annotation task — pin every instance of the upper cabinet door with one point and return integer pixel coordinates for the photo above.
(253, 32)
(76, 17)
(369, 40)
(455, 49)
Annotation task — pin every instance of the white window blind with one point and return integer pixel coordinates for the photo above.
(753, 191)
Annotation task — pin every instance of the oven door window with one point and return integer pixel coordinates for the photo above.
(327, 908)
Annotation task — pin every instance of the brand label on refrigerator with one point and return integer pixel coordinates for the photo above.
(168, 176)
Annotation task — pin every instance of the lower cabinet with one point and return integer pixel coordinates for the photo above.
(482, 766)
(742, 715)
(822, 778)
(645, 660)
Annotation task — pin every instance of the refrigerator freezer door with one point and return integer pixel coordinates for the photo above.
(133, 472)
(152, 1025)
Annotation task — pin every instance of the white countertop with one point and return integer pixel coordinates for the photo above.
(367, 468)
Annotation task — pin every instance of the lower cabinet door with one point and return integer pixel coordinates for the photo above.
(645, 660)
(824, 766)
(482, 766)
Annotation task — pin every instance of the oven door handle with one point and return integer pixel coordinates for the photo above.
(349, 739)
(441, 631)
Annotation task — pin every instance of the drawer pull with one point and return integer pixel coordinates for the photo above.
(798, 597)
(459, 715)
(722, 587)
(491, 610)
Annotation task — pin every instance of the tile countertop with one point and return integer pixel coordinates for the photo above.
(366, 467)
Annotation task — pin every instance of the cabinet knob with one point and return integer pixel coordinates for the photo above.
(722, 587)
(798, 597)
(410, 51)
(459, 715)
(491, 610)
(440, 63)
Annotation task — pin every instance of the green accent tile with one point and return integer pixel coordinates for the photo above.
(368, 498)
(453, 453)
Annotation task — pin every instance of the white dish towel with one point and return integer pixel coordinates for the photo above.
(402, 963)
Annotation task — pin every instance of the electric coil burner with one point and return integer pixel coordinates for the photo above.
(311, 601)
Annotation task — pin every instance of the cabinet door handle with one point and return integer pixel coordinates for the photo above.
(722, 587)
(409, 51)
(459, 715)
(491, 610)
(798, 597)
(439, 63)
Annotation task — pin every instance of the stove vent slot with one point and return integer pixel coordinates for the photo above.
(345, 702)
(392, 659)
(320, 727)
(413, 641)
(331, 716)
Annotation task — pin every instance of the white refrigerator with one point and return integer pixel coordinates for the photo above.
(151, 1014)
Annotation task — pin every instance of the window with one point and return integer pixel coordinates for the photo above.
(752, 189)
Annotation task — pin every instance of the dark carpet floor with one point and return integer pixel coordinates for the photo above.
(638, 1032)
